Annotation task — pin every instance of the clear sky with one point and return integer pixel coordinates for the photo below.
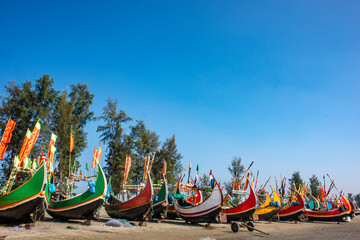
(275, 82)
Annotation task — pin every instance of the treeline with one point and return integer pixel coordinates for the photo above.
(60, 111)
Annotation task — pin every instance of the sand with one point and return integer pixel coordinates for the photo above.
(177, 229)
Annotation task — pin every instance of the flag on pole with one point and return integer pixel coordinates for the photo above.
(3, 147)
(94, 158)
(51, 150)
(197, 174)
(33, 138)
(127, 168)
(50, 159)
(188, 181)
(71, 140)
(99, 154)
(26, 140)
(8, 131)
(164, 169)
(87, 167)
(146, 167)
(152, 161)
(6, 137)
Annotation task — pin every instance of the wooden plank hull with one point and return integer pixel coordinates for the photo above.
(336, 214)
(83, 206)
(206, 211)
(243, 211)
(135, 209)
(292, 212)
(27, 199)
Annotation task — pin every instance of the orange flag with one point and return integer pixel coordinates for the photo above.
(8, 131)
(99, 154)
(51, 143)
(94, 158)
(71, 140)
(32, 140)
(164, 169)
(26, 140)
(3, 148)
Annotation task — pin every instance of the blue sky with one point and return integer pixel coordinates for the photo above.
(275, 82)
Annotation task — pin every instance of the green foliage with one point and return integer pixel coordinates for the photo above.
(26, 103)
(315, 185)
(170, 154)
(236, 169)
(145, 142)
(118, 144)
(296, 178)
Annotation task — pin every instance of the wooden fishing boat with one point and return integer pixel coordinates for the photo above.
(206, 211)
(195, 199)
(24, 202)
(268, 209)
(293, 210)
(160, 202)
(243, 211)
(336, 214)
(134, 209)
(83, 206)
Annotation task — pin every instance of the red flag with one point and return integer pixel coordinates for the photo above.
(94, 158)
(8, 131)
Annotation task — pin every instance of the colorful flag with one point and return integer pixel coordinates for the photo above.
(16, 161)
(127, 168)
(94, 158)
(34, 165)
(8, 131)
(197, 173)
(6, 137)
(32, 140)
(3, 148)
(80, 173)
(71, 140)
(152, 161)
(146, 167)
(99, 154)
(164, 169)
(26, 140)
(87, 167)
(51, 157)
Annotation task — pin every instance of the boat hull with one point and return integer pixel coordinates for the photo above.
(336, 215)
(83, 206)
(25, 202)
(134, 209)
(243, 211)
(206, 211)
(294, 211)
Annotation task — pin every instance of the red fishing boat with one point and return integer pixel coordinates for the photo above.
(243, 211)
(134, 209)
(337, 214)
(293, 210)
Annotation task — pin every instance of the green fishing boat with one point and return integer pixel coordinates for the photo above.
(160, 203)
(23, 203)
(83, 206)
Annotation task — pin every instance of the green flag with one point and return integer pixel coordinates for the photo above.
(87, 167)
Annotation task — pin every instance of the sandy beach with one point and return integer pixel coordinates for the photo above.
(177, 229)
